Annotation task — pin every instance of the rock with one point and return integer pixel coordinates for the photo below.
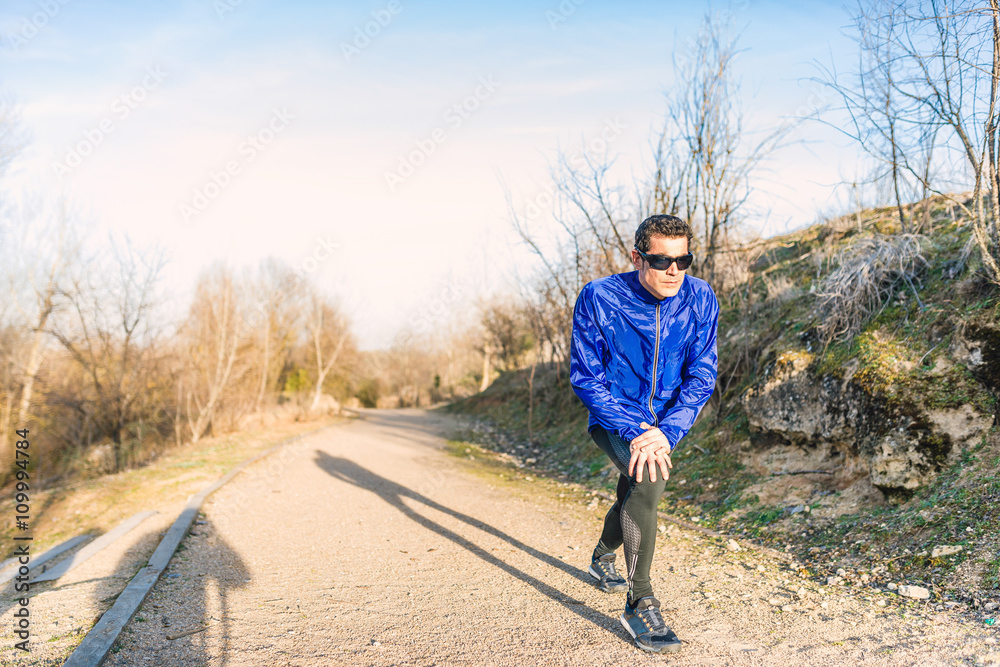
(793, 409)
(774, 602)
(981, 342)
(891, 586)
(945, 550)
(733, 546)
(881, 603)
(761, 568)
(898, 462)
(841, 572)
(325, 405)
(786, 607)
(914, 592)
(991, 606)
(790, 401)
(962, 424)
(833, 581)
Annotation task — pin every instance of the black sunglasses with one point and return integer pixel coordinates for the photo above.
(663, 262)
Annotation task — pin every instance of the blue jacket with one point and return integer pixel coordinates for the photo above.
(636, 358)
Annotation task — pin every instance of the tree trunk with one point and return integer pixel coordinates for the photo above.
(487, 352)
(263, 371)
(325, 370)
(531, 398)
(207, 412)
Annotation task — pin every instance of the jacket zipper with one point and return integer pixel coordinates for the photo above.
(656, 355)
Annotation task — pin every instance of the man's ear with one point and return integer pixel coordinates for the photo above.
(636, 260)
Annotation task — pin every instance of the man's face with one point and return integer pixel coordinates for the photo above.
(662, 284)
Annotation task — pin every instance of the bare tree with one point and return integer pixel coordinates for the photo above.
(329, 332)
(705, 156)
(106, 331)
(48, 238)
(41, 248)
(926, 92)
(214, 333)
(596, 222)
(508, 333)
(276, 314)
(12, 378)
(704, 160)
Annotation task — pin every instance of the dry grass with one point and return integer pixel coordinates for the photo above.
(869, 272)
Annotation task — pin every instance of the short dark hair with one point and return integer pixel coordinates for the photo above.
(661, 225)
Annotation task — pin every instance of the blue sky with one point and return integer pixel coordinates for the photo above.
(198, 78)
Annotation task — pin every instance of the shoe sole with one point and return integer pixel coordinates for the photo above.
(669, 648)
(620, 588)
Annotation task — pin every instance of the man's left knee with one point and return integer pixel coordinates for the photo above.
(649, 490)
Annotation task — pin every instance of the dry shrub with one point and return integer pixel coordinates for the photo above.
(869, 272)
(780, 288)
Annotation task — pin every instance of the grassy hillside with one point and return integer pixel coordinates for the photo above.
(927, 359)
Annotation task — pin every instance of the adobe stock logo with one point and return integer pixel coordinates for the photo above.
(363, 35)
(598, 144)
(455, 116)
(223, 7)
(321, 252)
(562, 13)
(32, 25)
(219, 180)
(122, 108)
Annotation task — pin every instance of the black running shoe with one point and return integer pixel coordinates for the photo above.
(646, 626)
(603, 569)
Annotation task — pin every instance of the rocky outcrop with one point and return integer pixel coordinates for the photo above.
(898, 438)
(978, 346)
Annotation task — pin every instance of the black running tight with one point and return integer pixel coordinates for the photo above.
(631, 521)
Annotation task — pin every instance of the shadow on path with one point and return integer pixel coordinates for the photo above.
(197, 593)
(394, 493)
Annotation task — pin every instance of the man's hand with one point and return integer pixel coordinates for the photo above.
(651, 447)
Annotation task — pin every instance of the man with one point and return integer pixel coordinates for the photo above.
(644, 363)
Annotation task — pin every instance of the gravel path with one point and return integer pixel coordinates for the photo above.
(366, 545)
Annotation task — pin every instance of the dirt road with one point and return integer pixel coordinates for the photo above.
(367, 545)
